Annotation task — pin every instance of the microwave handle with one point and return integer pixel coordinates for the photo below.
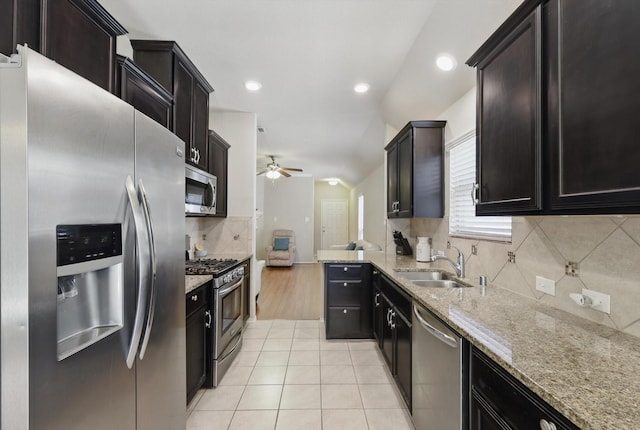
(212, 189)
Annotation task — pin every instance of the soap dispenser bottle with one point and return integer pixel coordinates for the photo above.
(423, 249)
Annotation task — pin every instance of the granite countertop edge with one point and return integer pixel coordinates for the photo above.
(586, 371)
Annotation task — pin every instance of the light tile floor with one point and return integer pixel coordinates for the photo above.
(287, 376)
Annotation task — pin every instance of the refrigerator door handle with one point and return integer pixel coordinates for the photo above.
(141, 270)
(153, 269)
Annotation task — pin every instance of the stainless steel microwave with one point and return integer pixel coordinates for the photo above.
(200, 192)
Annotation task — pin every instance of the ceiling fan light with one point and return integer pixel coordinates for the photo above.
(273, 174)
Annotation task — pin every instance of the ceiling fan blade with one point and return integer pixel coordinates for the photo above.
(293, 169)
(261, 172)
(284, 173)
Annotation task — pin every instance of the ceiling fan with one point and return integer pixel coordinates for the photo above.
(274, 171)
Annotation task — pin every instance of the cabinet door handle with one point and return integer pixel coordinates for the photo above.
(474, 194)
(389, 317)
(547, 425)
(393, 322)
(197, 155)
(375, 300)
(194, 297)
(208, 315)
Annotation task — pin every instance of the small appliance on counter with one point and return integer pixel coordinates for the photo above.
(423, 249)
(402, 244)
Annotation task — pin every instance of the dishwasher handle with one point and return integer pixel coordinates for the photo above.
(443, 337)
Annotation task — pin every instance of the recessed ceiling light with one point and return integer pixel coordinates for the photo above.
(333, 182)
(446, 62)
(252, 85)
(361, 88)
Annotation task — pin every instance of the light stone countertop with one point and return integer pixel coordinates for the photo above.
(191, 282)
(588, 372)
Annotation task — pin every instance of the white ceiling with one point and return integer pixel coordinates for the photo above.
(308, 55)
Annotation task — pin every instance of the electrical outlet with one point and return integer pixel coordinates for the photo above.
(511, 257)
(601, 301)
(572, 269)
(474, 249)
(547, 286)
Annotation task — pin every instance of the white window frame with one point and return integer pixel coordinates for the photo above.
(462, 175)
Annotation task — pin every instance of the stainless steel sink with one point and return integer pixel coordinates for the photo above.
(438, 283)
(431, 279)
(424, 276)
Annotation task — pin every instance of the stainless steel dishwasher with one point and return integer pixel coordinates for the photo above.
(437, 373)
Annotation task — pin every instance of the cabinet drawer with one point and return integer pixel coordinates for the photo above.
(495, 390)
(344, 293)
(345, 271)
(343, 322)
(196, 299)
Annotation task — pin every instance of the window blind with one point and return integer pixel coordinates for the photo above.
(462, 213)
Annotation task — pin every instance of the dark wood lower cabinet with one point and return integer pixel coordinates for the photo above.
(348, 296)
(198, 315)
(395, 334)
(499, 401)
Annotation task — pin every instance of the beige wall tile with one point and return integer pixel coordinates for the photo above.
(576, 236)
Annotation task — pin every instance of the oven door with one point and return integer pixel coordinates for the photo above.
(228, 315)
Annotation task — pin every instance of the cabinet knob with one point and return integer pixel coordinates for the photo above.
(345, 284)
(194, 297)
(345, 269)
(344, 311)
(546, 425)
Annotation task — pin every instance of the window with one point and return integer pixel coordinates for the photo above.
(361, 217)
(462, 213)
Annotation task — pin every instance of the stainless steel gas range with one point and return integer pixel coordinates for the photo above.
(225, 329)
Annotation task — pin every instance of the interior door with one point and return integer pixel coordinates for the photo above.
(335, 222)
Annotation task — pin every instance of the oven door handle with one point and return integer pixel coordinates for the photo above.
(226, 290)
(153, 269)
(142, 271)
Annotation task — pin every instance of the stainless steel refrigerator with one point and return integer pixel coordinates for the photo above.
(91, 259)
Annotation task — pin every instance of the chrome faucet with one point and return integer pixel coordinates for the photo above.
(458, 265)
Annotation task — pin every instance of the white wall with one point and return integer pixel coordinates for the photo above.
(375, 212)
(288, 204)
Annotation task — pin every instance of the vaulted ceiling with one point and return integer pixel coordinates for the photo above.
(309, 54)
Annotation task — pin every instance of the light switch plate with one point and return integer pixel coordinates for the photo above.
(547, 286)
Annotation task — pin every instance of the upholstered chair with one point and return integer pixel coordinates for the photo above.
(282, 251)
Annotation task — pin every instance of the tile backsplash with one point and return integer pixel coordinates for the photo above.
(605, 248)
(221, 237)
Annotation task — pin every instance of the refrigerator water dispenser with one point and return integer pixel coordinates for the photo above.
(90, 285)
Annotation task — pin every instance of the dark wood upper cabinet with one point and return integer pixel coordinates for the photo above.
(19, 25)
(415, 171)
(169, 65)
(593, 125)
(218, 166)
(509, 122)
(556, 122)
(141, 91)
(81, 35)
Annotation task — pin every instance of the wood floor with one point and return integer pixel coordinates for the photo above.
(292, 293)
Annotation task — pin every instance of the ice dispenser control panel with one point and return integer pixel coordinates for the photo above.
(79, 243)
